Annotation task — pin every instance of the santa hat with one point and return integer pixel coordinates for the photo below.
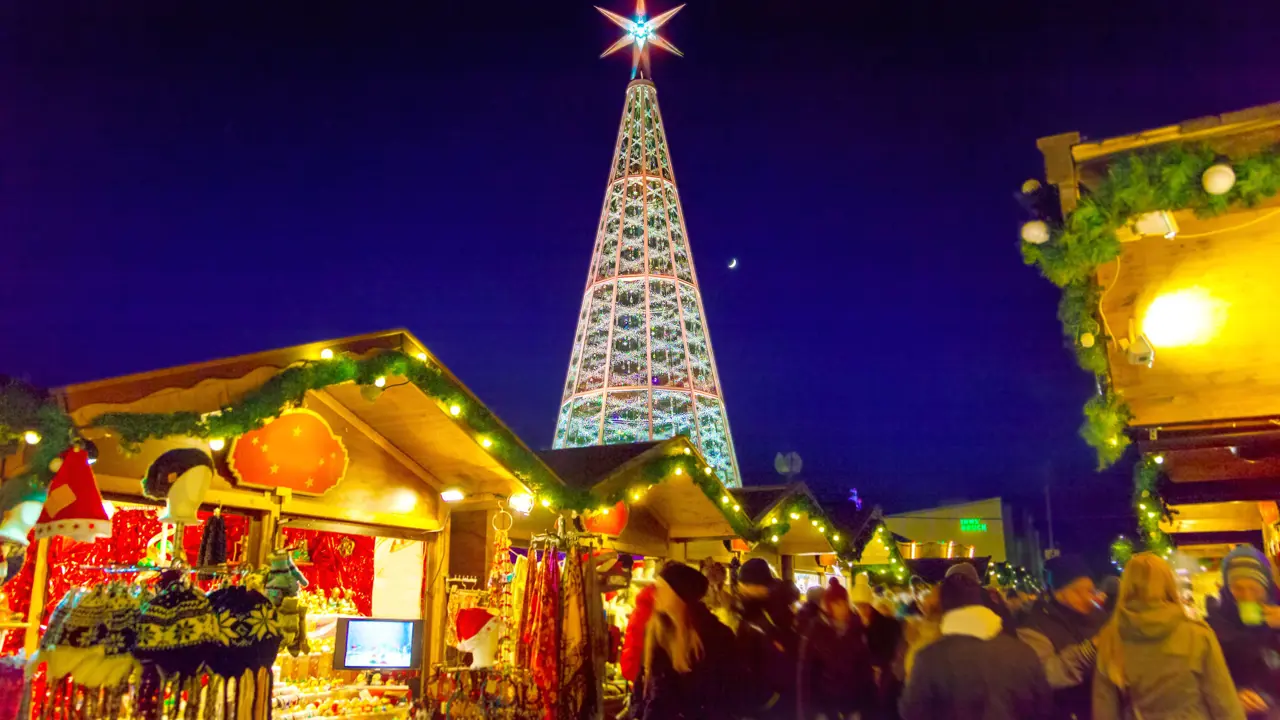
(471, 621)
(74, 506)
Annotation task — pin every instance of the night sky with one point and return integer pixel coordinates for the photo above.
(180, 184)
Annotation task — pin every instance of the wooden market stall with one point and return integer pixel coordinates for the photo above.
(339, 456)
(1167, 244)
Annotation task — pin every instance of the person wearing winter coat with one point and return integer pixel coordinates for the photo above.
(1060, 628)
(921, 632)
(1247, 623)
(974, 671)
(835, 676)
(766, 644)
(1153, 660)
(689, 665)
(887, 646)
(810, 610)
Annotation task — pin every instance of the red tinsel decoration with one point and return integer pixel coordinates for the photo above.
(72, 563)
(337, 560)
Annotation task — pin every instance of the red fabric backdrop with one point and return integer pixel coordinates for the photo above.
(71, 562)
(337, 560)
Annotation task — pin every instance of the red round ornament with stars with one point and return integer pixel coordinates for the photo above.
(297, 451)
(609, 522)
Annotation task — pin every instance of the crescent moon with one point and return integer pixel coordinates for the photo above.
(733, 263)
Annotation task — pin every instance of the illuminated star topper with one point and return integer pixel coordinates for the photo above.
(642, 32)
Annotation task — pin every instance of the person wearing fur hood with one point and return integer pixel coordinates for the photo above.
(974, 671)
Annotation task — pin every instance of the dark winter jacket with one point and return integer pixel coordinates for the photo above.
(808, 614)
(1063, 640)
(975, 672)
(767, 648)
(1252, 651)
(706, 692)
(835, 674)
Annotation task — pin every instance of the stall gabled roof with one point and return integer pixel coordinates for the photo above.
(679, 503)
(413, 427)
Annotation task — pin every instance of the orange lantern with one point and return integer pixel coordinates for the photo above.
(297, 451)
(609, 522)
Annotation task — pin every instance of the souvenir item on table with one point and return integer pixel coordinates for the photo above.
(478, 631)
(19, 520)
(177, 630)
(74, 506)
(181, 477)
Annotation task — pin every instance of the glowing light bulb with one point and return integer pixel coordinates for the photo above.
(546, 503)
(1184, 318)
(326, 354)
(687, 451)
(724, 499)
(706, 470)
(773, 521)
(795, 516)
(452, 495)
(455, 410)
(736, 508)
(216, 444)
(813, 523)
(773, 538)
(679, 471)
(835, 537)
(604, 511)
(635, 496)
(486, 443)
(1159, 459)
(521, 503)
(422, 357)
(31, 437)
(380, 381)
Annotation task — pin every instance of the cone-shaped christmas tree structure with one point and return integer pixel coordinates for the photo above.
(642, 367)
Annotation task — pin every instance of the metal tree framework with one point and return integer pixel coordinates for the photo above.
(642, 367)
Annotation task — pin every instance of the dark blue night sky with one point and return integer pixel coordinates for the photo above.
(183, 181)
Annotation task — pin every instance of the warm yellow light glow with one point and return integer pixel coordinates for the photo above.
(724, 499)
(773, 538)
(521, 503)
(1183, 318)
(835, 537)
(604, 511)
(455, 410)
(813, 523)
(635, 496)
(380, 381)
(216, 444)
(706, 470)
(31, 437)
(546, 503)
(679, 471)
(1159, 459)
(773, 521)
(736, 508)
(452, 495)
(486, 443)
(422, 357)
(687, 451)
(795, 516)
(326, 354)
(822, 530)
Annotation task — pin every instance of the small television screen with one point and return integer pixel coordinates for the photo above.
(376, 644)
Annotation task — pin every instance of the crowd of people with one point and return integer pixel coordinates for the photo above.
(1129, 649)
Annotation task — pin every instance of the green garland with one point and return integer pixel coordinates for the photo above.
(1150, 507)
(22, 410)
(1166, 178)
(1121, 551)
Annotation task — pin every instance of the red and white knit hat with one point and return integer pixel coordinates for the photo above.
(74, 506)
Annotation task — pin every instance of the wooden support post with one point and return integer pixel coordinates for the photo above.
(39, 580)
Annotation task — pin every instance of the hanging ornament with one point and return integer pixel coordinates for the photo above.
(1035, 232)
(1086, 340)
(74, 507)
(609, 521)
(1218, 179)
(181, 478)
(297, 451)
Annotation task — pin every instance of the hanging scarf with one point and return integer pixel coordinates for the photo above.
(575, 651)
(542, 638)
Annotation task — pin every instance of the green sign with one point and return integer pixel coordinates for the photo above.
(972, 525)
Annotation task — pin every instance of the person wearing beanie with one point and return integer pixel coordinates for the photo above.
(1060, 628)
(766, 643)
(974, 670)
(689, 666)
(836, 679)
(966, 569)
(1246, 620)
